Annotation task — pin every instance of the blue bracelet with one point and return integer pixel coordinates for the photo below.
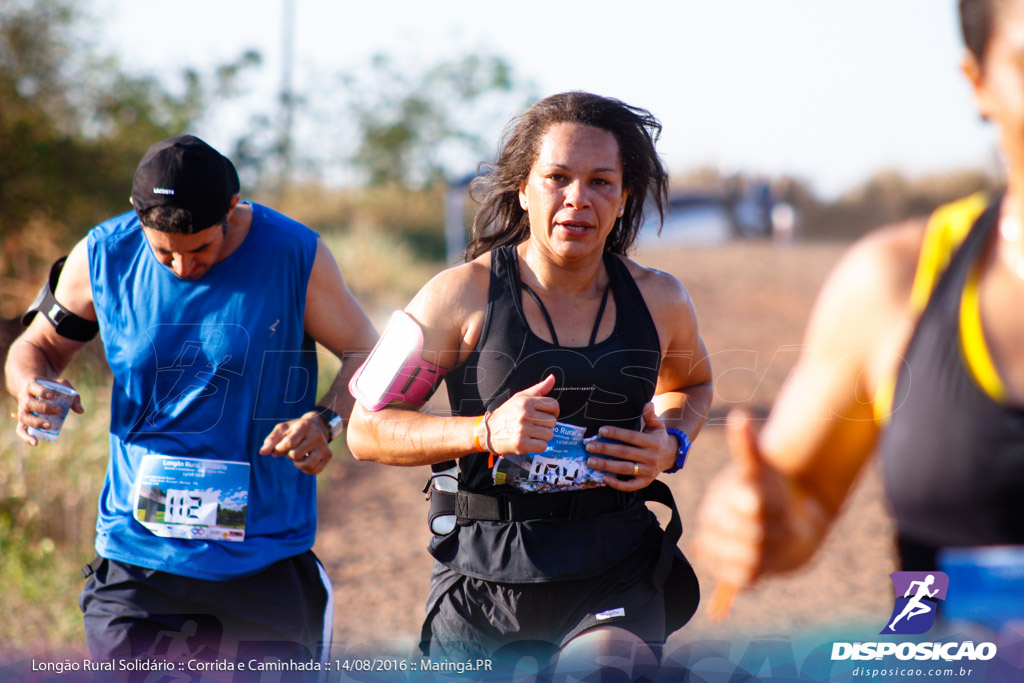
(684, 448)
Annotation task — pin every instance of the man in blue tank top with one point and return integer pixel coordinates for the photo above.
(208, 309)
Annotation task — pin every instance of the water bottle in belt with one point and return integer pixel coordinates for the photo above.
(444, 476)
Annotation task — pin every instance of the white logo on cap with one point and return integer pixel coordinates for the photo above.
(163, 190)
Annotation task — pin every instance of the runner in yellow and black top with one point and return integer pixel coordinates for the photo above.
(971, 495)
(914, 347)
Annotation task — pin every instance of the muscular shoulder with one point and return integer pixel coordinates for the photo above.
(663, 293)
(878, 270)
(459, 289)
(74, 293)
(862, 316)
(670, 306)
(74, 289)
(452, 305)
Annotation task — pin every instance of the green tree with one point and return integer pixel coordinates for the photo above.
(415, 126)
(73, 124)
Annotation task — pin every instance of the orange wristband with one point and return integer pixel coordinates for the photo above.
(476, 435)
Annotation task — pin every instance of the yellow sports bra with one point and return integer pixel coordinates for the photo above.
(946, 230)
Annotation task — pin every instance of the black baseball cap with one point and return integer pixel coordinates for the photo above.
(187, 173)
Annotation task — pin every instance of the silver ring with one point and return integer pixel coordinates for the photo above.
(636, 469)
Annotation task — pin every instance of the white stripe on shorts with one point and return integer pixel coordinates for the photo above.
(328, 634)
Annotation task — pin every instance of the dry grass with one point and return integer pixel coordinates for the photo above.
(382, 272)
(47, 515)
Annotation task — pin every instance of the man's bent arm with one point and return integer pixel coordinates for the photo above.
(334, 319)
(41, 353)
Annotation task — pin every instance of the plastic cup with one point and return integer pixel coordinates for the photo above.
(64, 397)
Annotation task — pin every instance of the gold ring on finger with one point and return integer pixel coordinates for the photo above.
(636, 469)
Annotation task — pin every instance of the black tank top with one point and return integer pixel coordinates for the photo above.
(952, 457)
(605, 383)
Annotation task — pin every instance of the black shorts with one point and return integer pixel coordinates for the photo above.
(469, 619)
(285, 612)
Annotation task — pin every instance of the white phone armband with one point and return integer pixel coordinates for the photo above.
(395, 368)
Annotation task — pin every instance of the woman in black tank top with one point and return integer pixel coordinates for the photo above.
(549, 327)
(914, 347)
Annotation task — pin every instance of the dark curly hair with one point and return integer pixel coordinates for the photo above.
(173, 219)
(501, 220)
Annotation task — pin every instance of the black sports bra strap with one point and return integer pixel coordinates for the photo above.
(544, 310)
(551, 325)
(600, 314)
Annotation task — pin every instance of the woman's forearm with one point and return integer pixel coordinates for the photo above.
(395, 436)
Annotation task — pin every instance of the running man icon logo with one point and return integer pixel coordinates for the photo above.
(917, 597)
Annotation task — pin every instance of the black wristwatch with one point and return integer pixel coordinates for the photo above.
(332, 420)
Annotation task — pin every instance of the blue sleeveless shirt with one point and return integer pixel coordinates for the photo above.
(205, 369)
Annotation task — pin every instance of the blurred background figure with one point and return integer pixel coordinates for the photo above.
(913, 349)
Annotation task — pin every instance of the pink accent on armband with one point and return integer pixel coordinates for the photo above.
(395, 369)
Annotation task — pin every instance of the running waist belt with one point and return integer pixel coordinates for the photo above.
(522, 507)
(469, 507)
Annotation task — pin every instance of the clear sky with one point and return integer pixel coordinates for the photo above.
(829, 90)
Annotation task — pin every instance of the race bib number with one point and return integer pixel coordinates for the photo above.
(561, 467)
(191, 507)
(558, 472)
(192, 497)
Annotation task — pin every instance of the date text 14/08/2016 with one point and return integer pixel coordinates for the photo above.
(412, 665)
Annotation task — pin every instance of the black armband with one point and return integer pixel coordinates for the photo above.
(67, 324)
